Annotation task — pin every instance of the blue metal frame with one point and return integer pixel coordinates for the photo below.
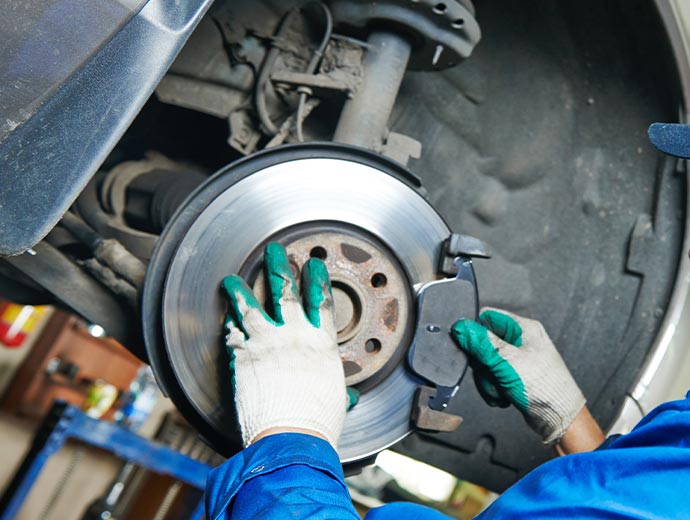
(65, 421)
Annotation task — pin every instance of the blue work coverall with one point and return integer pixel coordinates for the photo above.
(644, 474)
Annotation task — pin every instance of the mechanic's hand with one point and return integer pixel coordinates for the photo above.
(515, 362)
(286, 369)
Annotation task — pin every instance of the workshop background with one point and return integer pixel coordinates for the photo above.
(49, 356)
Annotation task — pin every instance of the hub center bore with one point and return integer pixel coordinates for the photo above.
(345, 311)
(370, 293)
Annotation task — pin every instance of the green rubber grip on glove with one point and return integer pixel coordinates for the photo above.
(473, 339)
(503, 326)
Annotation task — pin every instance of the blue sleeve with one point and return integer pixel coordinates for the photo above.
(291, 475)
(644, 474)
(287, 475)
(404, 511)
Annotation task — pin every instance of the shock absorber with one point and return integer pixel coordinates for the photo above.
(400, 35)
(364, 119)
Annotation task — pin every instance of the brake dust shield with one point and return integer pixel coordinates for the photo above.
(361, 214)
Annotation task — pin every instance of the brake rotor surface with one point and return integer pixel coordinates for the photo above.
(379, 238)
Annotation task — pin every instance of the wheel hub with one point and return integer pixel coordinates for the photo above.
(370, 291)
(359, 212)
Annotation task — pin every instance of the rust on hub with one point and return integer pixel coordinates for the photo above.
(371, 296)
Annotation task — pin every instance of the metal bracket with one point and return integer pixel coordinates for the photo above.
(319, 83)
(425, 417)
(457, 245)
(243, 136)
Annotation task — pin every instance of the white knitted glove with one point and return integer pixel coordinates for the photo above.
(516, 362)
(287, 371)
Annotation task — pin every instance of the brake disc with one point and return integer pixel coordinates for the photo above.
(362, 214)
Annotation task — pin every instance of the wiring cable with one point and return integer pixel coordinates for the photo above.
(311, 67)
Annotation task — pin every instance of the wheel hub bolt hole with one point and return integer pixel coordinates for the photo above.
(372, 346)
(318, 252)
(379, 280)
